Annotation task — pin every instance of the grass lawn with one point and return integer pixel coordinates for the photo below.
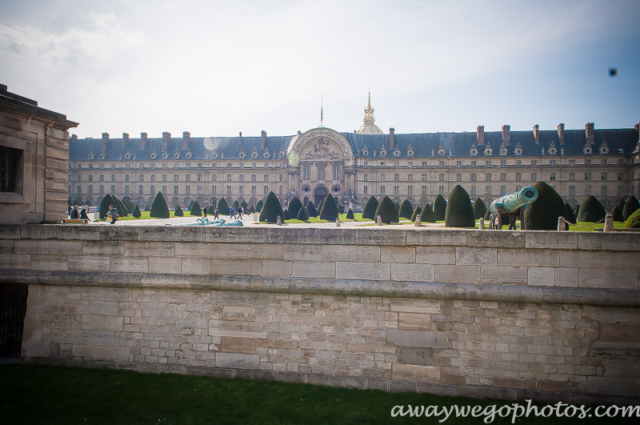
(145, 216)
(56, 395)
(343, 218)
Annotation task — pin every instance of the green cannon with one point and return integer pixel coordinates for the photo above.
(512, 206)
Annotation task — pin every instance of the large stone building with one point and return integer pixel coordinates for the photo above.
(355, 166)
(33, 160)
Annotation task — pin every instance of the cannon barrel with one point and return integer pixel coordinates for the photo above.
(511, 202)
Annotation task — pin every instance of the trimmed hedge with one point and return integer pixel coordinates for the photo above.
(633, 222)
(479, 208)
(416, 213)
(195, 211)
(294, 207)
(440, 207)
(303, 214)
(190, 205)
(287, 216)
(631, 205)
(591, 210)
(104, 205)
(136, 212)
(147, 208)
(236, 205)
(406, 209)
(177, 212)
(271, 209)
(387, 211)
(311, 209)
(398, 207)
(321, 204)
(341, 209)
(617, 214)
(459, 212)
(543, 213)
(329, 209)
(568, 213)
(122, 209)
(244, 205)
(223, 207)
(258, 206)
(350, 215)
(370, 208)
(159, 209)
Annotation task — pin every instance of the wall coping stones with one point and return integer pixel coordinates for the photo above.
(373, 288)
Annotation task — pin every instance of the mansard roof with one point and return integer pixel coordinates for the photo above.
(423, 145)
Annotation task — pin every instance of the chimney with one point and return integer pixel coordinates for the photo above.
(392, 138)
(143, 140)
(561, 133)
(241, 137)
(506, 134)
(263, 139)
(480, 134)
(186, 136)
(166, 139)
(105, 139)
(536, 133)
(125, 140)
(591, 136)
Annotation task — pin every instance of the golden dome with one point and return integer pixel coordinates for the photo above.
(369, 127)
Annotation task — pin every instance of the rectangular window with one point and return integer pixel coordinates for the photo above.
(534, 177)
(488, 177)
(175, 190)
(587, 162)
(552, 162)
(213, 190)
(253, 190)
(199, 188)
(382, 190)
(188, 188)
(424, 164)
(410, 177)
(604, 176)
(153, 190)
(382, 177)
(126, 189)
(366, 190)
(280, 189)
(503, 190)
(503, 163)
(552, 176)
(410, 190)
(228, 190)
(266, 190)
(241, 190)
(336, 172)
(10, 160)
(518, 162)
(396, 164)
(488, 190)
(441, 163)
(473, 163)
(487, 163)
(396, 177)
(101, 189)
(587, 190)
(572, 191)
(518, 177)
(604, 190)
(587, 176)
(365, 177)
(441, 190)
(572, 176)
(459, 163)
(503, 177)
(396, 190)
(424, 190)
(473, 191)
(113, 190)
(424, 177)
(306, 172)
(534, 162)
(619, 190)
(164, 190)
(90, 189)
(140, 190)
(619, 176)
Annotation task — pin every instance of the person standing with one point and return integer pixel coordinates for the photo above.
(113, 212)
(83, 214)
(204, 211)
(215, 214)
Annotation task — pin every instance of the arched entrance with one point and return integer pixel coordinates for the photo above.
(319, 194)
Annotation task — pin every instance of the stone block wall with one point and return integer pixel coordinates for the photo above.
(478, 313)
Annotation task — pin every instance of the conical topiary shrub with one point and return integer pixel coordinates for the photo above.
(620, 204)
(440, 207)
(398, 207)
(287, 216)
(244, 205)
(633, 222)
(416, 213)
(195, 211)
(303, 214)
(479, 208)
(177, 212)
(576, 210)
(568, 213)
(406, 209)
(487, 215)
(543, 213)
(427, 215)
(104, 205)
(259, 206)
(459, 211)
(122, 209)
(147, 208)
(350, 215)
(329, 209)
(370, 208)
(631, 205)
(159, 209)
(591, 210)
(321, 204)
(311, 209)
(136, 212)
(190, 205)
(341, 209)
(271, 209)
(252, 210)
(617, 214)
(387, 211)
(294, 207)
(223, 207)
(236, 205)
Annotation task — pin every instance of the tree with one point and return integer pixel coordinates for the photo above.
(190, 205)
(223, 207)
(329, 209)
(620, 204)
(350, 215)
(321, 204)
(271, 209)
(459, 212)
(387, 211)
(543, 213)
(287, 216)
(568, 213)
(617, 214)
(370, 208)
(406, 209)
(631, 205)
(136, 212)
(104, 205)
(416, 213)
(244, 205)
(122, 209)
(591, 210)
(341, 209)
(178, 212)
(479, 208)
(252, 210)
(311, 209)
(236, 205)
(633, 222)
(294, 207)
(196, 211)
(440, 207)
(259, 206)
(303, 214)
(159, 209)
(398, 207)
(427, 215)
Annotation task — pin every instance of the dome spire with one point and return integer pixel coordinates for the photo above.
(368, 113)
(368, 126)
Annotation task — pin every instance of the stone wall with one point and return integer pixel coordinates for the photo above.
(478, 313)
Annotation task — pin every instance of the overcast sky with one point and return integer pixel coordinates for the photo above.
(217, 68)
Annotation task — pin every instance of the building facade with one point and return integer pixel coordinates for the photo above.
(34, 158)
(355, 166)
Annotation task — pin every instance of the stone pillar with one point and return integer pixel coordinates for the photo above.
(481, 223)
(561, 224)
(418, 221)
(379, 220)
(608, 223)
(337, 222)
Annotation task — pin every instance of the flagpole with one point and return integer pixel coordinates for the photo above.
(321, 110)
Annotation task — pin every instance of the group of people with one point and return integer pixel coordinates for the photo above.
(78, 213)
(237, 214)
